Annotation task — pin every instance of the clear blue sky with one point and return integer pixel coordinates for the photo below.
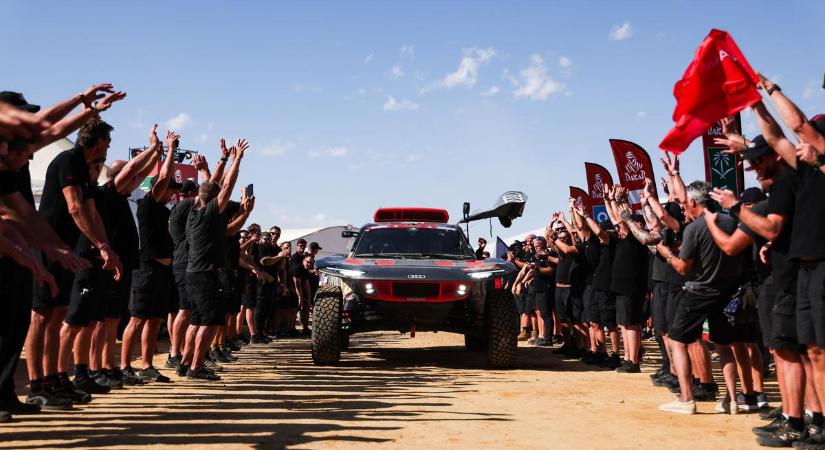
(354, 105)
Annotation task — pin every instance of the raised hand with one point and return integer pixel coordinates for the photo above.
(710, 217)
(724, 197)
(14, 122)
(806, 152)
(664, 186)
(199, 161)
(153, 136)
(240, 148)
(172, 142)
(224, 150)
(107, 102)
(95, 92)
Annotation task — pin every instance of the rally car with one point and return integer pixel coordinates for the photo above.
(410, 270)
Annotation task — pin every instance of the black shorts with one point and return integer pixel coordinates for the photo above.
(228, 279)
(179, 272)
(658, 305)
(673, 296)
(537, 301)
(767, 296)
(117, 298)
(88, 297)
(810, 303)
(521, 304)
(576, 311)
(691, 314)
(151, 289)
(629, 310)
(207, 305)
(563, 304)
(607, 308)
(591, 312)
(784, 332)
(43, 299)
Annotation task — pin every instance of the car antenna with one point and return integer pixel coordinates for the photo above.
(467, 222)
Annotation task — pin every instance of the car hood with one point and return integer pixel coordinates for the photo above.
(414, 269)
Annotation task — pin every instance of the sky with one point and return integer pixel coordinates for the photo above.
(350, 106)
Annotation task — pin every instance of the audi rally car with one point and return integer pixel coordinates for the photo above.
(410, 270)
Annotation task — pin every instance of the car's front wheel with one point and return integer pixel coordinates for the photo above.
(501, 319)
(326, 326)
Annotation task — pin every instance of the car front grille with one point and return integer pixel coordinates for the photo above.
(415, 290)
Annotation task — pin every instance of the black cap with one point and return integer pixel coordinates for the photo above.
(757, 148)
(675, 211)
(314, 245)
(188, 186)
(17, 100)
(752, 195)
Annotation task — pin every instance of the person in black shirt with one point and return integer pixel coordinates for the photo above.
(205, 233)
(482, 243)
(564, 243)
(713, 278)
(67, 205)
(152, 280)
(298, 278)
(180, 256)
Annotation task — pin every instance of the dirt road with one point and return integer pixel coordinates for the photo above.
(389, 392)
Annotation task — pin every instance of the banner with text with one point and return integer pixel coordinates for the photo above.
(721, 170)
(581, 199)
(633, 164)
(597, 177)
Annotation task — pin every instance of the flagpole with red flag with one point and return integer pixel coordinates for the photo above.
(718, 83)
(597, 177)
(581, 199)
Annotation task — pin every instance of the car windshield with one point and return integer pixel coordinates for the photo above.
(412, 242)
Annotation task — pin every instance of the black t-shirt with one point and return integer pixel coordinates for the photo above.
(296, 266)
(153, 225)
(593, 253)
(629, 274)
(267, 251)
(782, 201)
(177, 229)
(808, 237)
(206, 237)
(758, 271)
(713, 273)
(601, 277)
(582, 271)
(9, 182)
(101, 196)
(233, 254)
(68, 168)
(25, 184)
(565, 269)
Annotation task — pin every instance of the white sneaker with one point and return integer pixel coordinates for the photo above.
(677, 406)
(727, 407)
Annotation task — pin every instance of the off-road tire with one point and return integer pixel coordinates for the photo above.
(501, 319)
(326, 326)
(474, 343)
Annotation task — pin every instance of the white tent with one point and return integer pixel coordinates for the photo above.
(329, 238)
(41, 161)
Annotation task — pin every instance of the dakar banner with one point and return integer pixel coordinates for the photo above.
(581, 199)
(633, 165)
(597, 178)
(721, 170)
(181, 171)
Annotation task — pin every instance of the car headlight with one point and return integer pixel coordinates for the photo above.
(485, 274)
(346, 273)
(461, 290)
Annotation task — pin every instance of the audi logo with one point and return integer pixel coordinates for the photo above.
(416, 277)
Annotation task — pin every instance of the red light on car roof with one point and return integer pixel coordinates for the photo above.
(412, 215)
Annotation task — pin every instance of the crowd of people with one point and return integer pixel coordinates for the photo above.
(743, 277)
(82, 271)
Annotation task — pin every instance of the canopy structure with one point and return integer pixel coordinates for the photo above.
(328, 238)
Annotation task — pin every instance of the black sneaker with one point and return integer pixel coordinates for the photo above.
(201, 374)
(5, 416)
(596, 359)
(612, 362)
(233, 345)
(628, 367)
(15, 406)
(102, 378)
(762, 400)
(68, 391)
(212, 365)
(172, 362)
(770, 414)
(129, 373)
(703, 394)
(216, 355)
(182, 369)
(228, 354)
(666, 380)
(784, 436)
(126, 379)
(152, 374)
(86, 384)
(48, 401)
(814, 441)
(260, 339)
(766, 430)
(746, 402)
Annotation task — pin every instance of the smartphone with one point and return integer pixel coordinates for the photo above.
(249, 191)
(176, 143)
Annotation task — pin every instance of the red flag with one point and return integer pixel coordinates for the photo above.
(718, 83)
(581, 199)
(633, 164)
(597, 177)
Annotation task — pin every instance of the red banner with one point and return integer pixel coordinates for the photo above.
(597, 177)
(718, 83)
(581, 199)
(633, 164)
(182, 172)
